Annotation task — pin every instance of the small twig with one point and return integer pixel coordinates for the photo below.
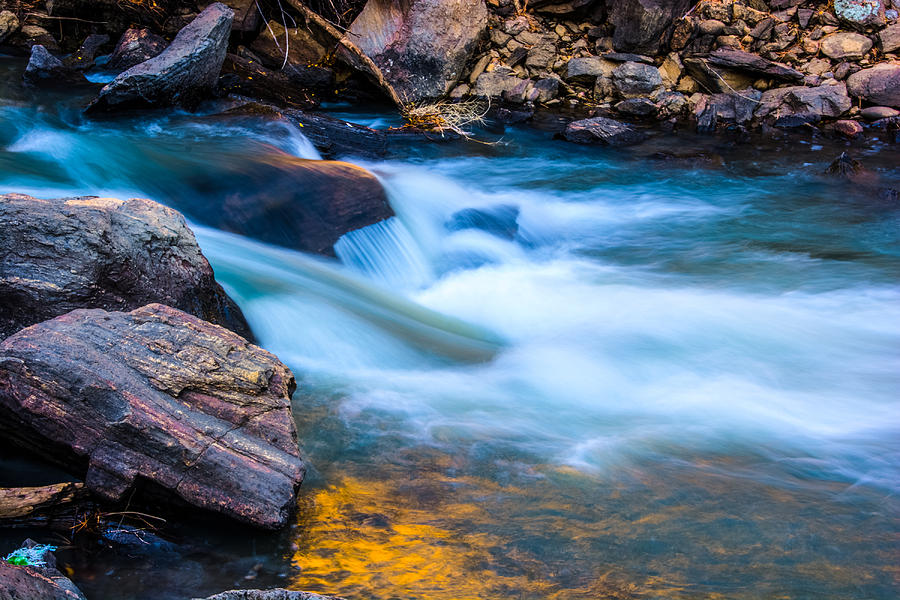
(45, 16)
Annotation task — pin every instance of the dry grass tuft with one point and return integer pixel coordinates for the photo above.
(444, 116)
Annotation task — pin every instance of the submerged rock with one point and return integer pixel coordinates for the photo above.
(59, 255)
(421, 46)
(184, 73)
(602, 130)
(302, 204)
(134, 47)
(157, 395)
(42, 582)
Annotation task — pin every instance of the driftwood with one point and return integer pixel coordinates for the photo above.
(40, 505)
(358, 59)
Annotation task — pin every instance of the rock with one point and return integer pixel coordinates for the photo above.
(9, 24)
(158, 395)
(301, 46)
(246, 16)
(45, 69)
(134, 47)
(671, 105)
(847, 128)
(288, 201)
(83, 58)
(249, 78)
(59, 255)
(728, 107)
(586, 69)
(644, 25)
(889, 38)
(541, 56)
(335, 138)
(846, 167)
(608, 132)
(718, 79)
(421, 46)
(43, 582)
(495, 83)
(877, 85)
(544, 90)
(671, 69)
(794, 106)
(752, 63)
(866, 12)
(711, 27)
(276, 594)
(30, 35)
(184, 73)
(637, 107)
(500, 221)
(876, 113)
(845, 45)
(636, 79)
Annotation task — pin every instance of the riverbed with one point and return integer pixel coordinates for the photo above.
(671, 371)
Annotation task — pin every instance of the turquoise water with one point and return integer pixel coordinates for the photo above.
(667, 372)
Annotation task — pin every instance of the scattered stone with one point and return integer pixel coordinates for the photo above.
(865, 12)
(890, 38)
(711, 27)
(730, 107)
(184, 73)
(45, 69)
(9, 24)
(795, 106)
(876, 113)
(496, 83)
(423, 49)
(745, 61)
(637, 107)
(44, 582)
(500, 221)
(587, 69)
(845, 46)
(608, 132)
(636, 79)
(247, 18)
(59, 255)
(545, 90)
(621, 57)
(878, 85)
(847, 128)
(134, 47)
(160, 395)
(671, 69)
(30, 35)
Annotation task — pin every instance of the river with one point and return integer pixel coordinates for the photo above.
(667, 372)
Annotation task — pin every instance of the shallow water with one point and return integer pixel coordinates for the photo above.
(673, 376)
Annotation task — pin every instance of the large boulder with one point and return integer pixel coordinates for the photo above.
(420, 46)
(797, 105)
(134, 47)
(63, 254)
(602, 130)
(877, 85)
(644, 26)
(158, 396)
(37, 580)
(184, 73)
(302, 204)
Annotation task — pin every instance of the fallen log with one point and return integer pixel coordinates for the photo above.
(42, 505)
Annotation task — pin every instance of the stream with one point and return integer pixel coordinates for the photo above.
(671, 371)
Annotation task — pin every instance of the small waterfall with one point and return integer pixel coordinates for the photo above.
(386, 252)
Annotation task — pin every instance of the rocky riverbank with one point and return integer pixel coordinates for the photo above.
(713, 65)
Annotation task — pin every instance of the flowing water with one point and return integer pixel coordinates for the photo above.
(638, 377)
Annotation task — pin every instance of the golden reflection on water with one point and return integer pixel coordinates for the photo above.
(563, 535)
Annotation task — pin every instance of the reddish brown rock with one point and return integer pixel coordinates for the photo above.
(848, 128)
(156, 395)
(59, 255)
(134, 47)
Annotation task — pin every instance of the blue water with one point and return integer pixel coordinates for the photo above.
(664, 375)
